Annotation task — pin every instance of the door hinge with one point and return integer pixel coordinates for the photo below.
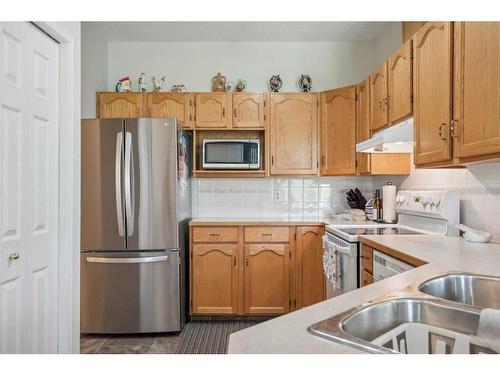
(317, 164)
(317, 103)
(264, 104)
(356, 163)
(290, 255)
(294, 303)
(411, 98)
(289, 303)
(356, 96)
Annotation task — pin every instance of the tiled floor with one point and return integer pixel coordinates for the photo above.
(136, 344)
(197, 337)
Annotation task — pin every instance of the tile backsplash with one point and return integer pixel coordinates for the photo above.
(478, 186)
(274, 197)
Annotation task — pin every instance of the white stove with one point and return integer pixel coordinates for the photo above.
(419, 213)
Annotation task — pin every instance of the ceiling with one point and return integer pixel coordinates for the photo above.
(232, 31)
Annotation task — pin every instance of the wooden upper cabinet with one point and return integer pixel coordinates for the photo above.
(293, 134)
(214, 288)
(119, 104)
(378, 98)
(433, 93)
(310, 278)
(212, 110)
(169, 104)
(477, 88)
(400, 79)
(338, 132)
(410, 28)
(363, 124)
(249, 110)
(267, 279)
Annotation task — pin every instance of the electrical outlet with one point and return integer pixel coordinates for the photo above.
(277, 196)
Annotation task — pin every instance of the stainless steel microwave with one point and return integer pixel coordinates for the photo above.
(231, 154)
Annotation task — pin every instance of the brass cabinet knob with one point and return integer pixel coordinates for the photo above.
(13, 256)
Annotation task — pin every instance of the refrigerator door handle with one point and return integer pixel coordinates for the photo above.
(129, 190)
(156, 259)
(118, 183)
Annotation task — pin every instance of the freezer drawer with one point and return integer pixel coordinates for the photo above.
(130, 292)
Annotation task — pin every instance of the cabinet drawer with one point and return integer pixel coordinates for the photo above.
(367, 258)
(215, 234)
(267, 234)
(366, 278)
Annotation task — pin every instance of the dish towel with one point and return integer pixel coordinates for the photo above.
(488, 331)
(330, 261)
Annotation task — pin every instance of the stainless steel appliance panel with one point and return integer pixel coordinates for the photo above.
(150, 184)
(102, 208)
(130, 292)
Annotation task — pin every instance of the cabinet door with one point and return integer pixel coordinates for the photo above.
(119, 105)
(178, 105)
(400, 83)
(293, 134)
(366, 278)
(249, 110)
(432, 106)
(267, 279)
(477, 88)
(338, 132)
(212, 110)
(214, 271)
(378, 98)
(309, 266)
(363, 124)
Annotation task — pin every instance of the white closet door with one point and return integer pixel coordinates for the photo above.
(29, 181)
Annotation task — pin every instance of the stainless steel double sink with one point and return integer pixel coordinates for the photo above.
(450, 302)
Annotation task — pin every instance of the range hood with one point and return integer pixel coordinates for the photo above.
(395, 139)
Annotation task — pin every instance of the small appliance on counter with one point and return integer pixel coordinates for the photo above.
(419, 213)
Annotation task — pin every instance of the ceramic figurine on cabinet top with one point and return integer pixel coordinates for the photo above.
(275, 83)
(178, 88)
(124, 85)
(241, 85)
(305, 82)
(229, 85)
(219, 83)
(157, 84)
(142, 83)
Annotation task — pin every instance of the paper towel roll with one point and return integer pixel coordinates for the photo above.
(389, 202)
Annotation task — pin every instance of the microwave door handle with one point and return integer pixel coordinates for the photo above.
(129, 184)
(118, 183)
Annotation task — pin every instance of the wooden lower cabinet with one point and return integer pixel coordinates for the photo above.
(366, 278)
(214, 288)
(247, 275)
(309, 275)
(267, 279)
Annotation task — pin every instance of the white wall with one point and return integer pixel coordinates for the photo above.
(94, 68)
(389, 40)
(330, 64)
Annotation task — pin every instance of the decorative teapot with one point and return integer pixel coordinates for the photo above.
(219, 83)
(157, 84)
(305, 82)
(124, 85)
(275, 83)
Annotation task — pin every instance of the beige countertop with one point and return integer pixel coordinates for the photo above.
(288, 333)
(277, 221)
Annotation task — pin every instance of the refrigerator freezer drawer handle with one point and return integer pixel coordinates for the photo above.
(129, 191)
(118, 183)
(162, 258)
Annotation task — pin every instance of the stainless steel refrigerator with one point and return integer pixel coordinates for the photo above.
(135, 209)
